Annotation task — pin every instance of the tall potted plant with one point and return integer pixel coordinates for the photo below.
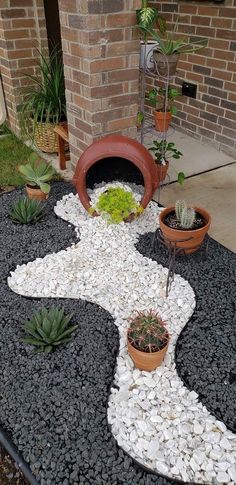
(147, 340)
(147, 17)
(162, 99)
(163, 151)
(44, 103)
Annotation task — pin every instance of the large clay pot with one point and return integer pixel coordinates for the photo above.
(162, 171)
(195, 236)
(122, 147)
(35, 193)
(162, 120)
(166, 65)
(146, 361)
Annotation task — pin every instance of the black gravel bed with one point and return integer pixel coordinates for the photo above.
(54, 406)
(206, 348)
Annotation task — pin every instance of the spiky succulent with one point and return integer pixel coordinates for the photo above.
(26, 211)
(47, 329)
(185, 215)
(147, 331)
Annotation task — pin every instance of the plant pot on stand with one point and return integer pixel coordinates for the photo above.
(162, 120)
(165, 65)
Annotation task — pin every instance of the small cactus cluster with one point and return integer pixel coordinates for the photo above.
(185, 215)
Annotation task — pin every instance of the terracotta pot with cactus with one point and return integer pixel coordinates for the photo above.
(186, 227)
(147, 340)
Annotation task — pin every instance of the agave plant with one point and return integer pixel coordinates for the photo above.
(147, 331)
(38, 173)
(26, 211)
(47, 329)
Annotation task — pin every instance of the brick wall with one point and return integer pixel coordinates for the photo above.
(22, 27)
(100, 50)
(210, 117)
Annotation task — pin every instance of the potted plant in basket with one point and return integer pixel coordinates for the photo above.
(44, 103)
(184, 226)
(37, 174)
(147, 17)
(163, 151)
(147, 340)
(162, 99)
(169, 48)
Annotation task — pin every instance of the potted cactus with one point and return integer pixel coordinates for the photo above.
(147, 340)
(184, 226)
(37, 175)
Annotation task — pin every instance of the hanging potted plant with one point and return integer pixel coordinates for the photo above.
(169, 48)
(147, 17)
(147, 340)
(44, 103)
(37, 174)
(185, 226)
(163, 151)
(162, 99)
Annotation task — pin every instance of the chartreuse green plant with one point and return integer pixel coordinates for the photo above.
(26, 211)
(147, 331)
(38, 173)
(185, 215)
(116, 204)
(47, 329)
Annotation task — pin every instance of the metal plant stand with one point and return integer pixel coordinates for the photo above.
(174, 251)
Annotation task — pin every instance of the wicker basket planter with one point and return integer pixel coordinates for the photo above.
(45, 137)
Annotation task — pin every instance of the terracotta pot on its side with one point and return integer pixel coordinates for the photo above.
(146, 361)
(196, 235)
(162, 171)
(35, 193)
(162, 120)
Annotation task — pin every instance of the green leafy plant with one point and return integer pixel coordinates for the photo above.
(117, 204)
(140, 118)
(185, 215)
(168, 44)
(163, 151)
(37, 173)
(44, 97)
(47, 329)
(147, 17)
(147, 331)
(162, 99)
(26, 211)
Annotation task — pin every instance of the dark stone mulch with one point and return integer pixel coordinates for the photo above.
(206, 348)
(55, 406)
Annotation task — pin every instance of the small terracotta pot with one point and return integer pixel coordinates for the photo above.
(162, 171)
(144, 360)
(162, 63)
(196, 235)
(35, 193)
(162, 120)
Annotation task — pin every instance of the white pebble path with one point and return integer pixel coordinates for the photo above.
(153, 416)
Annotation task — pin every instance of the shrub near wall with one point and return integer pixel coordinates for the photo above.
(212, 115)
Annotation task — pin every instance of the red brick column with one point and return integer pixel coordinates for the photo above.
(22, 27)
(100, 49)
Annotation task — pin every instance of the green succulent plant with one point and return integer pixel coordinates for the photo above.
(116, 204)
(47, 329)
(185, 215)
(147, 331)
(38, 173)
(26, 211)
